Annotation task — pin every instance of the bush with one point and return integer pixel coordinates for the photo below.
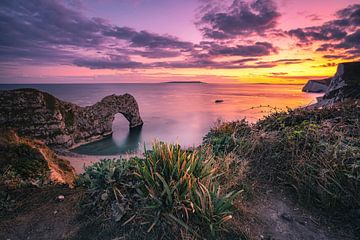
(222, 136)
(23, 161)
(111, 185)
(316, 152)
(179, 186)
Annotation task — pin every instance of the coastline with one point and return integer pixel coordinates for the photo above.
(80, 161)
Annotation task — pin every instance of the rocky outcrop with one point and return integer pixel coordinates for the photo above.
(317, 86)
(39, 115)
(345, 84)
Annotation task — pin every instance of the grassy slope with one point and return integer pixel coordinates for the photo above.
(176, 194)
(315, 153)
(24, 161)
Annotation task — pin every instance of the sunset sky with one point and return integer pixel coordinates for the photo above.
(94, 41)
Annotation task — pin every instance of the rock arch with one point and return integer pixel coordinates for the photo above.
(58, 123)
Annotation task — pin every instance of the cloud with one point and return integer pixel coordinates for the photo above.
(147, 39)
(330, 64)
(49, 32)
(287, 61)
(342, 33)
(54, 32)
(314, 17)
(321, 33)
(121, 62)
(349, 16)
(239, 19)
(278, 74)
(349, 47)
(257, 49)
(211, 64)
(114, 62)
(150, 53)
(42, 30)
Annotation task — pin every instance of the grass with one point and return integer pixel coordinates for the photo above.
(315, 152)
(173, 186)
(26, 162)
(180, 186)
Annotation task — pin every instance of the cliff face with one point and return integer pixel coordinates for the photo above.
(317, 86)
(345, 83)
(40, 115)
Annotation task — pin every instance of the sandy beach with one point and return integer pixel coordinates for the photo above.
(80, 162)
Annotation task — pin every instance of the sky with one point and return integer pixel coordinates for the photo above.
(147, 41)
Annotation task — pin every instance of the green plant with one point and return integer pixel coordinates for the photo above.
(50, 101)
(106, 179)
(222, 136)
(24, 161)
(212, 208)
(176, 184)
(316, 152)
(69, 118)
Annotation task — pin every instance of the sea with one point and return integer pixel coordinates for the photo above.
(176, 112)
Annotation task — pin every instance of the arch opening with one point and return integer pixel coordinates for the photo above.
(127, 139)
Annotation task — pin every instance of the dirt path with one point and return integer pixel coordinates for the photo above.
(37, 214)
(281, 219)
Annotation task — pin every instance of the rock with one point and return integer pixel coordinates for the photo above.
(60, 198)
(118, 211)
(287, 217)
(57, 123)
(104, 196)
(345, 84)
(317, 86)
(219, 101)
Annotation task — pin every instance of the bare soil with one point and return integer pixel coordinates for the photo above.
(281, 219)
(36, 213)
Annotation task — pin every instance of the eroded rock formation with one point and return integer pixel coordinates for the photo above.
(346, 82)
(345, 85)
(317, 86)
(39, 115)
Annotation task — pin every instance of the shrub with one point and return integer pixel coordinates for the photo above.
(316, 152)
(179, 186)
(24, 161)
(222, 136)
(111, 185)
(105, 174)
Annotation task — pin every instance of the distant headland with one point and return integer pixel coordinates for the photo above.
(191, 82)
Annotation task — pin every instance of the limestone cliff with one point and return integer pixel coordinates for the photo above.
(317, 86)
(346, 83)
(39, 115)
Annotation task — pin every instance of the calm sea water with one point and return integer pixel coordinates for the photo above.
(177, 113)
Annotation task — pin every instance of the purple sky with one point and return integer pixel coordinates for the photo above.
(275, 41)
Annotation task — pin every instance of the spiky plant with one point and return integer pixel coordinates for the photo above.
(176, 182)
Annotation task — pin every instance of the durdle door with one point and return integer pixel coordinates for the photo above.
(39, 115)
